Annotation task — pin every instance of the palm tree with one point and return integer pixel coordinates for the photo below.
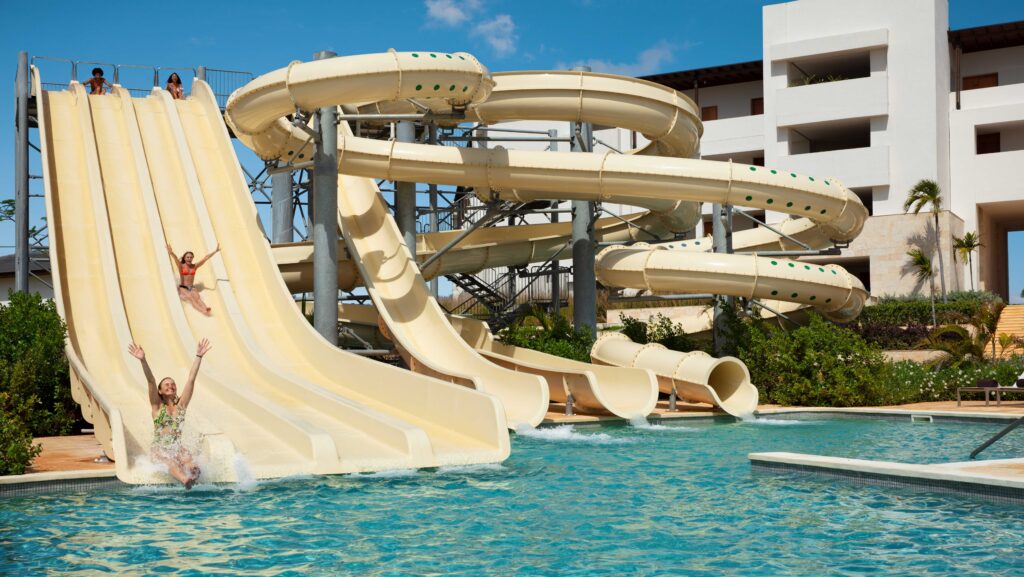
(923, 271)
(926, 193)
(965, 247)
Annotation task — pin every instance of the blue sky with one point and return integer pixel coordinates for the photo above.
(258, 36)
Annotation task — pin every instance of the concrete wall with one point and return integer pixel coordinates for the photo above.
(1007, 62)
(34, 285)
(732, 100)
(906, 42)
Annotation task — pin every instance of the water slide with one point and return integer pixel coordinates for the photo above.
(660, 176)
(124, 176)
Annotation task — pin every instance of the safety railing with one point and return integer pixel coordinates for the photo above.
(224, 82)
(139, 80)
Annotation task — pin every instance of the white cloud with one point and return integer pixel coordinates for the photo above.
(649, 61)
(450, 12)
(499, 32)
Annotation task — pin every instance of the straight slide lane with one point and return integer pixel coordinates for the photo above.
(267, 438)
(113, 391)
(341, 435)
(454, 424)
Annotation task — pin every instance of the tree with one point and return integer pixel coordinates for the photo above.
(965, 247)
(923, 270)
(926, 193)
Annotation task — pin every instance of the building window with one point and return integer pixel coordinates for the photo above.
(980, 81)
(987, 143)
(709, 113)
(758, 161)
(756, 106)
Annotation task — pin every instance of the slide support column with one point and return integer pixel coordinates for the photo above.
(584, 281)
(21, 187)
(434, 224)
(282, 208)
(325, 220)
(405, 193)
(556, 267)
(721, 233)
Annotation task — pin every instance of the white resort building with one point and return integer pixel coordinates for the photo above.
(880, 95)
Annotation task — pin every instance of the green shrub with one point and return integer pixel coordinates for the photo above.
(554, 336)
(16, 448)
(819, 364)
(658, 329)
(908, 310)
(33, 368)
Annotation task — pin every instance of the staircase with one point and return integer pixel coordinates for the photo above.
(1011, 322)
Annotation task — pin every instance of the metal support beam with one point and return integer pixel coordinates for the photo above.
(556, 289)
(21, 178)
(584, 281)
(486, 220)
(434, 225)
(721, 233)
(405, 193)
(325, 221)
(282, 207)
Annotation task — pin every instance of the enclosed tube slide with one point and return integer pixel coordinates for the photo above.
(693, 376)
(258, 111)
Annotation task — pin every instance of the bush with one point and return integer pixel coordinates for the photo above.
(900, 311)
(658, 329)
(820, 364)
(554, 336)
(35, 395)
(16, 448)
(892, 336)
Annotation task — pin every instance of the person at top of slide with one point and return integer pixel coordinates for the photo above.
(174, 86)
(97, 83)
(168, 409)
(187, 277)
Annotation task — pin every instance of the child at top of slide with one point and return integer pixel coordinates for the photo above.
(97, 83)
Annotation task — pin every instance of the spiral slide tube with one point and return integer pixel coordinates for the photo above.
(257, 115)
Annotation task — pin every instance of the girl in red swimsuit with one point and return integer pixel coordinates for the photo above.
(187, 275)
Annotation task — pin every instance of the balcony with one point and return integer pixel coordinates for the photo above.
(996, 96)
(842, 99)
(854, 167)
(730, 135)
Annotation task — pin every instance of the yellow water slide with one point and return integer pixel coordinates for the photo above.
(126, 175)
(661, 177)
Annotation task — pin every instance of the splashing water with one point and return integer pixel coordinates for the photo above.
(779, 422)
(566, 433)
(641, 422)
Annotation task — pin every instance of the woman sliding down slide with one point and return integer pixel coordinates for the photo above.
(187, 271)
(169, 416)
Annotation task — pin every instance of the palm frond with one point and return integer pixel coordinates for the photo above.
(924, 193)
(922, 264)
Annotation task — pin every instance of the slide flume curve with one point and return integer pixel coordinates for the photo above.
(257, 114)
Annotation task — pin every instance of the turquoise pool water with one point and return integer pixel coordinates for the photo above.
(621, 500)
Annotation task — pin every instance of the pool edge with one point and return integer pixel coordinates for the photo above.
(944, 477)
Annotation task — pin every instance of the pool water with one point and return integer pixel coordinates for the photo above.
(678, 499)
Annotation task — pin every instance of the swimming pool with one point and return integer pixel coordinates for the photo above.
(676, 499)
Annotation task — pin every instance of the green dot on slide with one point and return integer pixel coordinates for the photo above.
(775, 262)
(750, 197)
(753, 169)
(775, 293)
(419, 87)
(414, 55)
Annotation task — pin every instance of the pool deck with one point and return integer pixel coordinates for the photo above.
(72, 459)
